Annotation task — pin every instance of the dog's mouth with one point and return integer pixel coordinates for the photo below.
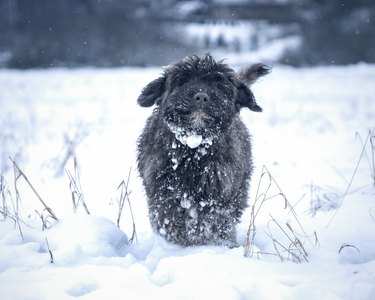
(199, 118)
(191, 138)
(192, 128)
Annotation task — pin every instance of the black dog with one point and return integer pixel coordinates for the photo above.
(194, 155)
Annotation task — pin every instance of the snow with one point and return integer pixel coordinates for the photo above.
(191, 139)
(194, 140)
(312, 138)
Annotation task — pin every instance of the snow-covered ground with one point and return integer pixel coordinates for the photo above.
(311, 138)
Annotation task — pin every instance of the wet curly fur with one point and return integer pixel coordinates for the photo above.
(194, 154)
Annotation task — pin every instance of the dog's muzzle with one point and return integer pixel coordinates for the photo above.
(198, 119)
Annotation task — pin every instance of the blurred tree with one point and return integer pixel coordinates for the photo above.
(45, 33)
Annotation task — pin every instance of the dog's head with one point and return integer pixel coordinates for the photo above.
(201, 95)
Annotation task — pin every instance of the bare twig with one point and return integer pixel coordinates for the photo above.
(50, 252)
(343, 246)
(72, 143)
(322, 199)
(317, 243)
(76, 189)
(372, 213)
(251, 232)
(17, 175)
(295, 249)
(275, 243)
(124, 196)
(264, 253)
(46, 223)
(4, 207)
(7, 197)
(5, 210)
(351, 180)
(17, 218)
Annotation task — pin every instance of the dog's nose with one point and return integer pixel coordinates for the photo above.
(201, 97)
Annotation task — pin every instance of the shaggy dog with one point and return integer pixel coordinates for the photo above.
(194, 154)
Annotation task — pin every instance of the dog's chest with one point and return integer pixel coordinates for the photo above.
(199, 171)
(193, 161)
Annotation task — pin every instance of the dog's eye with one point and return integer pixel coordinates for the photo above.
(217, 77)
(224, 87)
(221, 82)
(221, 86)
(181, 79)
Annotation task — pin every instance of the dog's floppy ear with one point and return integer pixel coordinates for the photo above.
(152, 92)
(251, 73)
(247, 76)
(245, 98)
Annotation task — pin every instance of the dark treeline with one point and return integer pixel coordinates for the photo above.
(334, 31)
(46, 33)
(43, 33)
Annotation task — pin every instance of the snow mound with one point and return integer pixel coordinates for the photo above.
(84, 235)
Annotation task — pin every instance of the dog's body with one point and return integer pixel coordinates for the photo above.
(194, 155)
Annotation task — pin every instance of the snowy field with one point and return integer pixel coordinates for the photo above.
(315, 226)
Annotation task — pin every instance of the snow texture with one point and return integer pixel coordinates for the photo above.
(310, 136)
